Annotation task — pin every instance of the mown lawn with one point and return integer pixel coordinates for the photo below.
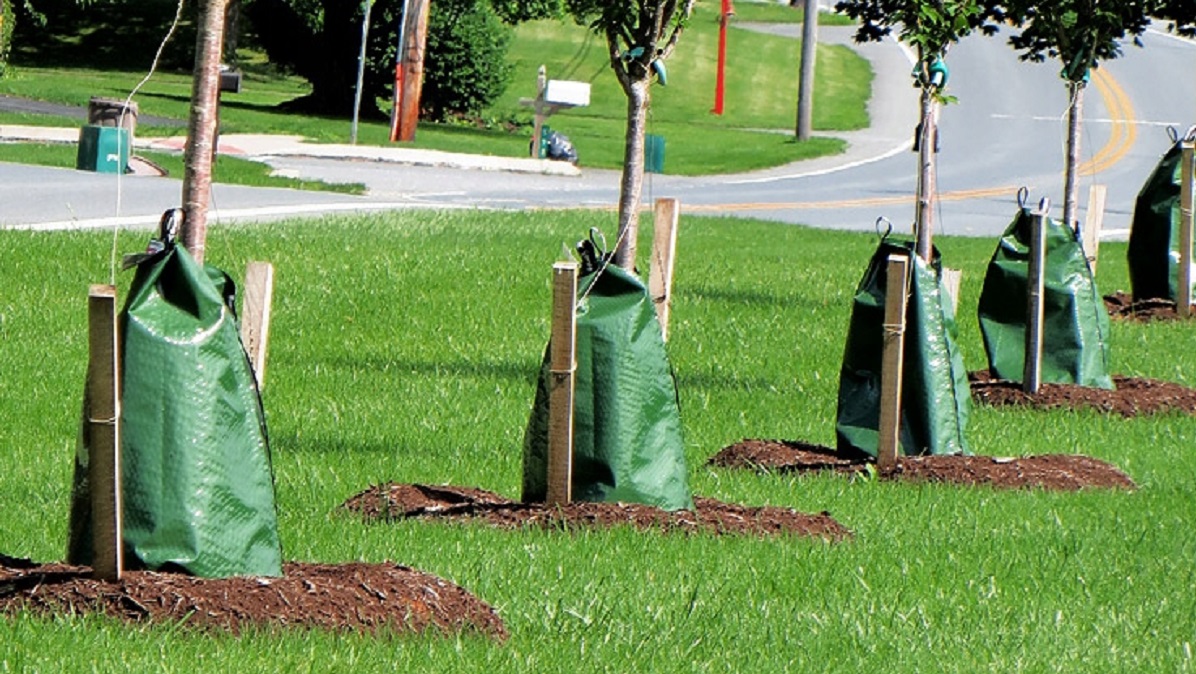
(404, 347)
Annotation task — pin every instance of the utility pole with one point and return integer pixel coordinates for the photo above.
(411, 77)
(201, 129)
(805, 89)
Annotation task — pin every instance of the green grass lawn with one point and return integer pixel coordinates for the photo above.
(756, 130)
(405, 346)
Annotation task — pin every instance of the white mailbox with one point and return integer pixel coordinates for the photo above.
(565, 93)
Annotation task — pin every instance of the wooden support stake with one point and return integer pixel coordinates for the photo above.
(255, 321)
(660, 272)
(103, 428)
(1094, 218)
(1184, 305)
(1032, 372)
(952, 278)
(562, 366)
(896, 296)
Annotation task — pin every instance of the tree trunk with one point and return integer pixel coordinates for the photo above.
(232, 31)
(1075, 114)
(633, 172)
(201, 130)
(924, 215)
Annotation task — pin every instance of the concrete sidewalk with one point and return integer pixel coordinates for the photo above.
(262, 146)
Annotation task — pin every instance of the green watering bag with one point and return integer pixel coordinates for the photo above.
(197, 485)
(627, 443)
(1075, 330)
(1153, 253)
(935, 398)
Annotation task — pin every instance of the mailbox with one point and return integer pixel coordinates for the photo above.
(565, 93)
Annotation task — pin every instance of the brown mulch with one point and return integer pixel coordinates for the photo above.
(1058, 472)
(339, 597)
(1131, 396)
(401, 501)
(1121, 306)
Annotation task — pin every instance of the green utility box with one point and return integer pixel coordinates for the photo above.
(103, 149)
(653, 153)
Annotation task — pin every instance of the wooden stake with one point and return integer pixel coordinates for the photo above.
(891, 374)
(1095, 219)
(1184, 305)
(103, 427)
(562, 366)
(255, 323)
(664, 246)
(1032, 373)
(952, 278)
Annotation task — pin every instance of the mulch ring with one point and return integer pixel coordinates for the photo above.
(402, 501)
(339, 597)
(1121, 306)
(1056, 472)
(1131, 396)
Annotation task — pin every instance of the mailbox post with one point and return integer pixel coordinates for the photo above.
(551, 96)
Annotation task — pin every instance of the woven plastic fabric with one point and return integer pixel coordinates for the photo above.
(935, 398)
(197, 485)
(627, 443)
(1075, 329)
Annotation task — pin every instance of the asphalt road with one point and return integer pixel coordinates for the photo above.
(1007, 131)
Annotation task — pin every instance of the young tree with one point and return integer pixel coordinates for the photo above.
(639, 34)
(930, 27)
(1081, 34)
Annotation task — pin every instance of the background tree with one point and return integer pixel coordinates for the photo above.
(464, 68)
(639, 34)
(930, 28)
(1181, 14)
(1081, 34)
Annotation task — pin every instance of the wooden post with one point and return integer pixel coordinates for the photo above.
(562, 365)
(255, 323)
(891, 373)
(415, 32)
(1032, 373)
(540, 113)
(805, 79)
(1184, 305)
(952, 278)
(103, 427)
(1094, 220)
(660, 272)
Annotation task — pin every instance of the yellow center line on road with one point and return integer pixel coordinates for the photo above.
(1123, 134)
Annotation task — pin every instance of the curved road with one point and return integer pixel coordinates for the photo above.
(1007, 131)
